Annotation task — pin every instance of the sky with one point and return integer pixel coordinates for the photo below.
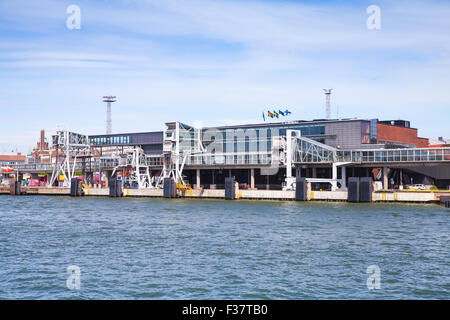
(208, 63)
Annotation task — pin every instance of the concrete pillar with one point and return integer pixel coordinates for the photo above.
(344, 177)
(213, 179)
(197, 181)
(108, 177)
(314, 172)
(385, 178)
(334, 177)
(252, 178)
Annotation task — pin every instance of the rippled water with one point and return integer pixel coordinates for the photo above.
(211, 249)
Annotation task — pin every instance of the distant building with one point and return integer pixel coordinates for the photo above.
(341, 134)
(7, 159)
(399, 133)
(41, 153)
(439, 143)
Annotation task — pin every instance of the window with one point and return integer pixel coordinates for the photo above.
(373, 131)
(365, 132)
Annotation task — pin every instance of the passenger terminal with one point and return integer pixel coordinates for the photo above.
(264, 156)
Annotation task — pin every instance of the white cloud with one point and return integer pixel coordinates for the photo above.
(216, 60)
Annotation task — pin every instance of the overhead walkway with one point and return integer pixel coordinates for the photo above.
(307, 151)
(304, 151)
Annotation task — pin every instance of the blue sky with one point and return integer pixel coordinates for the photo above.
(219, 62)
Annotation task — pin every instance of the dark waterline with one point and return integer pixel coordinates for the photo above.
(134, 248)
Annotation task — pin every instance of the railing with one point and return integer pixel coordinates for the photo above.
(305, 153)
(33, 166)
(309, 151)
(110, 162)
(395, 155)
(49, 166)
(314, 152)
(230, 158)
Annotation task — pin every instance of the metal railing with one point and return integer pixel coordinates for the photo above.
(394, 155)
(305, 153)
(310, 151)
(230, 158)
(313, 152)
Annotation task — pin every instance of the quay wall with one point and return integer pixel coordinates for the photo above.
(377, 196)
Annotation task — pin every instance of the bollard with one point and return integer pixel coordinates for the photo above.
(229, 188)
(79, 188)
(13, 188)
(112, 187)
(18, 188)
(353, 189)
(74, 187)
(365, 189)
(300, 189)
(170, 188)
(119, 187)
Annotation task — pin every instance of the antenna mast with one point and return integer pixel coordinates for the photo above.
(327, 102)
(109, 100)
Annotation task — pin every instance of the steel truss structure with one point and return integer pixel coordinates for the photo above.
(180, 142)
(73, 145)
(134, 169)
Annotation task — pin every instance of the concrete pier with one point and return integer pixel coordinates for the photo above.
(377, 196)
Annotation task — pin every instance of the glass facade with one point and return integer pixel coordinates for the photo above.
(127, 139)
(395, 155)
(112, 140)
(369, 131)
(365, 132)
(254, 139)
(231, 146)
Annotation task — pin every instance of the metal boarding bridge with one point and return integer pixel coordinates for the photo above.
(230, 158)
(309, 151)
(301, 150)
(305, 150)
(425, 155)
(103, 163)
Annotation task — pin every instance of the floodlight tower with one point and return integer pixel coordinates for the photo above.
(109, 100)
(327, 102)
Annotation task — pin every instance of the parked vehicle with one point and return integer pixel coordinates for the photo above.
(417, 187)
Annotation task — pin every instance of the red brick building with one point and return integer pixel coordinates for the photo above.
(398, 132)
(11, 159)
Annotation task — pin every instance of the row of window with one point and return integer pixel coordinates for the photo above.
(126, 139)
(408, 145)
(369, 131)
(110, 140)
(306, 130)
(7, 163)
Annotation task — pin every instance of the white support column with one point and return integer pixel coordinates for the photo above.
(385, 178)
(334, 177)
(197, 181)
(344, 177)
(290, 181)
(288, 155)
(252, 178)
